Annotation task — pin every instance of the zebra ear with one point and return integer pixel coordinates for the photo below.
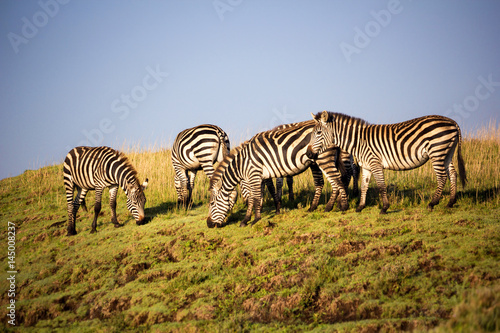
(145, 184)
(314, 117)
(324, 116)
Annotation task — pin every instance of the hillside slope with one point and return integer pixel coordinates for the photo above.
(410, 269)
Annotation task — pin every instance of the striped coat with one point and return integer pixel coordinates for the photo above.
(89, 168)
(271, 154)
(195, 149)
(401, 146)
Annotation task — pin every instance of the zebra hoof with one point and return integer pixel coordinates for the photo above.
(118, 225)
(430, 207)
(359, 209)
(243, 224)
(93, 231)
(71, 233)
(383, 212)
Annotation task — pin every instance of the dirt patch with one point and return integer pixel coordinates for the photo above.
(307, 238)
(347, 247)
(271, 307)
(166, 255)
(130, 272)
(106, 309)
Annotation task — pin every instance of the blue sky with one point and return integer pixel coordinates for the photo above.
(138, 72)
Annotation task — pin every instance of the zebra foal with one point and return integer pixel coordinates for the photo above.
(195, 149)
(96, 168)
(401, 146)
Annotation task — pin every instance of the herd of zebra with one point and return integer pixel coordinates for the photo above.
(335, 145)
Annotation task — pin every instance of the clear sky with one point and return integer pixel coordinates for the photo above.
(138, 72)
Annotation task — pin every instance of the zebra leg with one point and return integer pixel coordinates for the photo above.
(81, 197)
(71, 208)
(452, 174)
(355, 178)
(440, 169)
(366, 175)
(337, 187)
(259, 199)
(333, 198)
(270, 187)
(192, 176)
(289, 182)
(113, 190)
(208, 168)
(181, 185)
(279, 188)
(378, 174)
(97, 208)
(319, 182)
(248, 215)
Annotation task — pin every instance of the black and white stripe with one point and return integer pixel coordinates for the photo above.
(271, 154)
(401, 146)
(89, 168)
(195, 149)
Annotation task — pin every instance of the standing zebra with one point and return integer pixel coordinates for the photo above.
(195, 149)
(271, 154)
(89, 168)
(401, 146)
(349, 166)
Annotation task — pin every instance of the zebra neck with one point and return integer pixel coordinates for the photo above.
(233, 175)
(127, 183)
(351, 136)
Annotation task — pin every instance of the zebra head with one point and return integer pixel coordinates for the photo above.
(136, 200)
(322, 136)
(221, 202)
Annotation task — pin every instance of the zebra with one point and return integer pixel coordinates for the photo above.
(350, 167)
(195, 149)
(401, 146)
(271, 154)
(95, 168)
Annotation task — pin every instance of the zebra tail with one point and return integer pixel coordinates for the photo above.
(461, 166)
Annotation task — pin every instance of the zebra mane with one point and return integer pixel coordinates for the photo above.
(340, 117)
(124, 159)
(221, 168)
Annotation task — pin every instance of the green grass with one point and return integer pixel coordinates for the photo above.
(408, 270)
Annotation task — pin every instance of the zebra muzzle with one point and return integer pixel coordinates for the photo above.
(210, 223)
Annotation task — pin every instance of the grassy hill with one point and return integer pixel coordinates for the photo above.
(361, 272)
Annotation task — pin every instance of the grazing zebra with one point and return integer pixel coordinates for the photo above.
(401, 146)
(195, 149)
(271, 154)
(89, 168)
